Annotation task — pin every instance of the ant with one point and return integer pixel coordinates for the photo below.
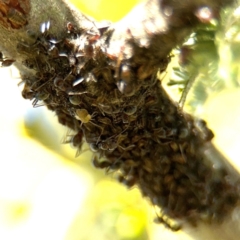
(85, 118)
(15, 18)
(168, 222)
(76, 140)
(100, 164)
(6, 62)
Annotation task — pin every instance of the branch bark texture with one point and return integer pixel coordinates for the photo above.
(102, 83)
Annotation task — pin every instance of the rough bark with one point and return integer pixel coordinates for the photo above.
(157, 147)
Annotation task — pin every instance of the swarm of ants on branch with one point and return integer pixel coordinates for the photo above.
(117, 105)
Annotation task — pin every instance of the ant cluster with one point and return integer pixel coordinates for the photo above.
(129, 122)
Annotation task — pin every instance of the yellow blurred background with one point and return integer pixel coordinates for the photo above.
(46, 193)
(105, 9)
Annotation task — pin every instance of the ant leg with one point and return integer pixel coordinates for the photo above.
(186, 90)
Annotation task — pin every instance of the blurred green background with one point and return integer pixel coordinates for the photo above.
(46, 193)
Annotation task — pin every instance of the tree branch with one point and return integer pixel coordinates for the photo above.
(102, 84)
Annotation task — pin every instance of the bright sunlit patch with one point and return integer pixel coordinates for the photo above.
(44, 206)
(56, 202)
(13, 212)
(226, 125)
(204, 13)
(225, 62)
(223, 73)
(130, 223)
(40, 193)
(105, 9)
(236, 13)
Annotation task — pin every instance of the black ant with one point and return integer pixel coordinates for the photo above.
(6, 62)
